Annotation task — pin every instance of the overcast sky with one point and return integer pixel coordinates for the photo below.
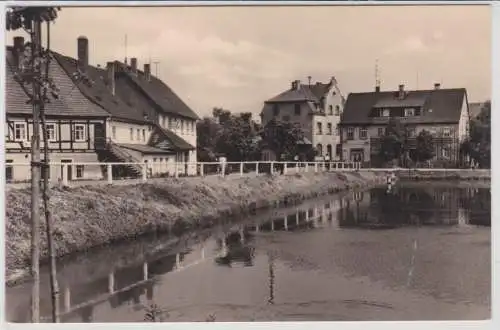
(237, 57)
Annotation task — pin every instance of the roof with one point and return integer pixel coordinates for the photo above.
(98, 92)
(145, 149)
(439, 106)
(303, 93)
(158, 92)
(165, 139)
(70, 101)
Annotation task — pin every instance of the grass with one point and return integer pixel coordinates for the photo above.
(86, 217)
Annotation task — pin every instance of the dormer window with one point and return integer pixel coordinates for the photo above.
(385, 113)
(409, 112)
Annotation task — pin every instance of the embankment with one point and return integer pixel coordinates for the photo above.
(86, 217)
(445, 175)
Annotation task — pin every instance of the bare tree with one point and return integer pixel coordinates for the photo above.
(29, 73)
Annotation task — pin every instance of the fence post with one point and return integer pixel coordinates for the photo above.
(256, 167)
(202, 169)
(65, 174)
(315, 166)
(144, 172)
(176, 174)
(241, 168)
(307, 167)
(272, 168)
(285, 167)
(110, 174)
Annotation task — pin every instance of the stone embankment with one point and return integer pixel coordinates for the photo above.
(86, 217)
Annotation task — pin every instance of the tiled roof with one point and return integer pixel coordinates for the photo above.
(69, 103)
(439, 106)
(312, 93)
(99, 93)
(166, 139)
(159, 92)
(144, 148)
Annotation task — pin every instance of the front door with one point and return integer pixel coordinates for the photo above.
(357, 155)
(99, 136)
(69, 169)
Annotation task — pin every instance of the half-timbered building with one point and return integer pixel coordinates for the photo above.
(118, 114)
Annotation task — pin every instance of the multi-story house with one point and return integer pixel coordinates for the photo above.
(442, 112)
(316, 108)
(117, 114)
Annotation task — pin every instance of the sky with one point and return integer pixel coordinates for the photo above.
(237, 57)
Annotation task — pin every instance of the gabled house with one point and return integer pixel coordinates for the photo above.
(442, 112)
(142, 119)
(316, 108)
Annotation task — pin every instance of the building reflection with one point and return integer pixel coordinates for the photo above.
(378, 209)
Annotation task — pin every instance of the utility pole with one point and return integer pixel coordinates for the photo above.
(48, 215)
(35, 174)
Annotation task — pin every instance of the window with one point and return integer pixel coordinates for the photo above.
(143, 135)
(297, 109)
(276, 110)
(412, 132)
(337, 110)
(138, 135)
(51, 132)
(182, 126)
(337, 132)
(170, 123)
(446, 132)
(381, 131)
(79, 132)
(20, 131)
(164, 121)
(363, 133)
(79, 171)
(132, 134)
(9, 170)
(113, 131)
(329, 151)
(319, 149)
(329, 125)
(350, 133)
(319, 129)
(330, 110)
(409, 112)
(386, 113)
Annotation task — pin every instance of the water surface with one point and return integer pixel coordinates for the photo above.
(421, 252)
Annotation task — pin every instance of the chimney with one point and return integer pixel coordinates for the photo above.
(18, 51)
(401, 91)
(83, 53)
(296, 85)
(133, 65)
(377, 89)
(437, 86)
(110, 66)
(147, 71)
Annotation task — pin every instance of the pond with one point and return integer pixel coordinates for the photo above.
(420, 252)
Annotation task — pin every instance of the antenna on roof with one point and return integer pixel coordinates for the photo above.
(377, 75)
(125, 49)
(157, 64)
(417, 79)
(309, 80)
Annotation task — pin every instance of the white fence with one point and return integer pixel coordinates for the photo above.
(74, 172)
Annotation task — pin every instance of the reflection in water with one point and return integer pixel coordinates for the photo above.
(379, 209)
(374, 209)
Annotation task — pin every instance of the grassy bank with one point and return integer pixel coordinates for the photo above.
(444, 175)
(86, 217)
